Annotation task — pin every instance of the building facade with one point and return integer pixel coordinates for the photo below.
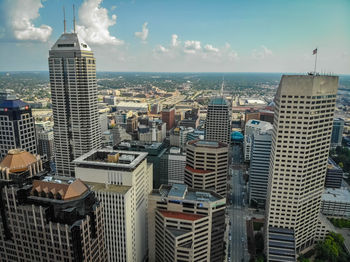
(44, 134)
(17, 127)
(259, 169)
(186, 224)
(252, 127)
(46, 218)
(300, 145)
(337, 132)
(218, 121)
(334, 175)
(176, 165)
(74, 101)
(207, 166)
(336, 202)
(121, 181)
(168, 116)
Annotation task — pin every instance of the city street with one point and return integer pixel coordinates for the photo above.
(237, 211)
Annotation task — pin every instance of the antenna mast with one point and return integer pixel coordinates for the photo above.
(73, 18)
(64, 19)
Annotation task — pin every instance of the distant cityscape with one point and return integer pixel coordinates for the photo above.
(136, 167)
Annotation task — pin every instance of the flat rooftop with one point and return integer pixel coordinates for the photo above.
(111, 158)
(336, 195)
(109, 188)
(207, 143)
(183, 192)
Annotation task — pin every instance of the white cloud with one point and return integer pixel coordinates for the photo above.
(21, 14)
(262, 53)
(174, 41)
(144, 33)
(191, 46)
(161, 49)
(211, 49)
(94, 23)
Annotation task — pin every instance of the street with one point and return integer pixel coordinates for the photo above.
(237, 211)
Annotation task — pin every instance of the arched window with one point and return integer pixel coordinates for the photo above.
(42, 194)
(58, 196)
(35, 193)
(50, 195)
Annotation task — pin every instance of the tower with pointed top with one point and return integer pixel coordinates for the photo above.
(72, 69)
(218, 121)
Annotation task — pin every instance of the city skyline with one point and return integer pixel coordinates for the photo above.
(234, 36)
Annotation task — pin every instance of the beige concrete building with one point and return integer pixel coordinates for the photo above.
(186, 225)
(46, 218)
(74, 101)
(300, 145)
(121, 181)
(207, 166)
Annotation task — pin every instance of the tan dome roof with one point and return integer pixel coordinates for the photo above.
(18, 160)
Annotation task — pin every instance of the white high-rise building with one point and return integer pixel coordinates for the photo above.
(218, 121)
(74, 100)
(122, 181)
(252, 127)
(300, 145)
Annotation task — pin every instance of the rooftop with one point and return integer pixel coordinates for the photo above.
(207, 143)
(111, 158)
(14, 104)
(109, 188)
(180, 215)
(183, 192)
(336, 195)
(70, 41)
(59, 188)
(18, 160)
(218, 101)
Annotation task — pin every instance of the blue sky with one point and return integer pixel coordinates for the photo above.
(183, 35)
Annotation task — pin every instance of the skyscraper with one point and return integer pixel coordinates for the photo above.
(16, 127)
(207, 166)
(186, 224)
(300, 145)
(74, 100)
(218, 121)
(122, 181)
(46, 218)
(168, 116)
(337, 132)
(259, 168)
(44, 133)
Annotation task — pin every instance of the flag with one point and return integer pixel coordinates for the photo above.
(314, 52)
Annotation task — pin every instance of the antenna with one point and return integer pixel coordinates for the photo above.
(64, 19)
(73, 18)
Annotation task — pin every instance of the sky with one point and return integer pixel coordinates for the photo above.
(183, 35)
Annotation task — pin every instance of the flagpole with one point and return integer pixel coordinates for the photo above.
(315, 61)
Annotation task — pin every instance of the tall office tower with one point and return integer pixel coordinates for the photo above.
(176, 165)
(207, 166)
(46, 218)
(337, 132)
(259, 168)
(16, 127)
(168, 116)
(300, 145)
(252, 127)
(74, 101)
(122, 181)
(44, 134)
(334, 175)
(218, 121)
(186, 224)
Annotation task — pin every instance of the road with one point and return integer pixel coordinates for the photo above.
(237, 212)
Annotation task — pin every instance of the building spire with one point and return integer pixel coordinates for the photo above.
(64, 20)
(73, 18)
(222, 87)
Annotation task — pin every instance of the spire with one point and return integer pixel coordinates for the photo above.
(73, 18)
(64, 20)
(222, 87)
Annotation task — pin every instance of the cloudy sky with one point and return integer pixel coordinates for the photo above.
(183, 35)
